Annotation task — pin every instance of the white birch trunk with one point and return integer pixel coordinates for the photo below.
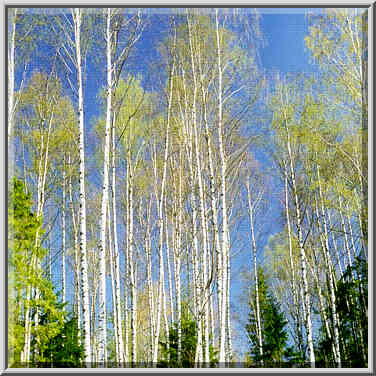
(102, 250)
(228, 315)
(225, 229)
(93, 317)
(11, 70)
(335, 246)
(77, 19)
(202, 313)
(361, 224)
(214, 211)
(127, 267)
(254, 248)
(116, 251)
(77, 281)
(346, 242)
(170, 288)
(165, 319)
(322, 307)
(160, 224)
(25, 351)
(132, 267)
(35, 262)
(350, 230)
(212, 322)
(178, 255)
(337, 354)
(188, 143)
(63, 236)
(149, 279)
(302, 257)
(110, 255)
(292, 267)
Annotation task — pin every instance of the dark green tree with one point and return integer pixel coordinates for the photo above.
(352, 310)
(274, 333)
(64, 350)
(169, 354)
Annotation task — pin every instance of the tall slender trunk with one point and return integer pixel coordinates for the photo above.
(337, 354)
(35, 261)
(77, 19)
(160, 222)
(346, 242)
(228, 315)
(202, 314)
(132, 263)
(149, 279)
(77, 281)
(178, 255)
(293, 277)
(348, 217)
(93, 317)
(213, 207)
(116, 250)
(322, 307)
(170, 288)
(307, 302)
(63, 236)
(165, 319)
(254, 249)
(11, 70)
(49, 253)
(110, 255)
(25, 353)
(212, 323)
(127, 267)
(188, 143)
(102, 249)
(335, 246)
(360, 212)
(225, 229)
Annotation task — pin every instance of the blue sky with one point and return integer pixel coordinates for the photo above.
(285, 50)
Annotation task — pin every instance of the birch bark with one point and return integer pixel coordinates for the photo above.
(330, 275)
(254, 249)
(63, 236)
(77, 19)
(302, 254)
(11, 69)
(102, 250)
(116, 250)
(77, 281)
(160, 222)
(293, 278)
(225, 229)
(149, 279)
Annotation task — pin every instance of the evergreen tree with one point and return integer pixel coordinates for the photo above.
(273, 322)
(352, 303)
(169, 354)
(64, 350)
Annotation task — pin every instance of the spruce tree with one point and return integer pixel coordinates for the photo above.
(169, 354)
(273, 324)
(352, 302)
